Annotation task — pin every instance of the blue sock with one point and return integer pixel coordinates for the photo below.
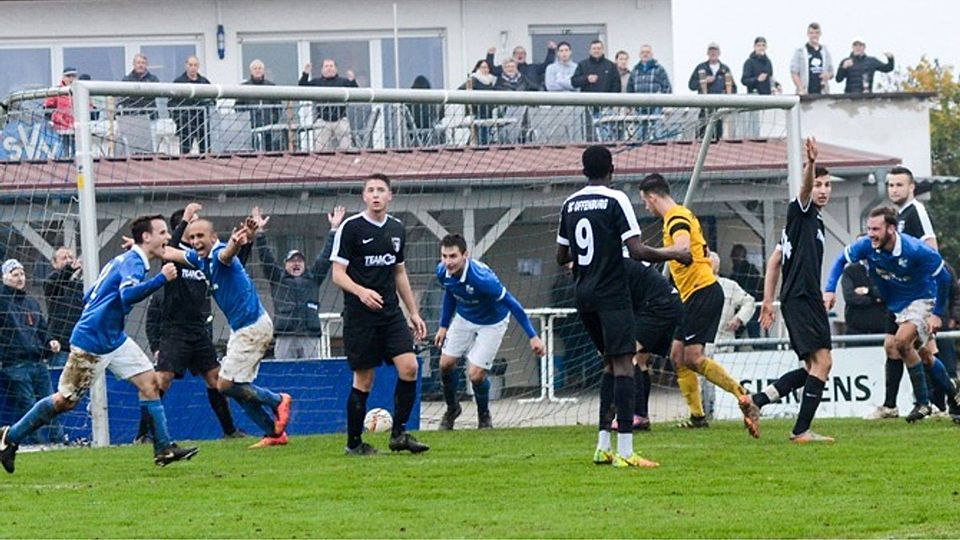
(481, 392)
(247, 397)
(267, 397)
(919, 382)
(161, 435)
(38, 416)
(940, 377)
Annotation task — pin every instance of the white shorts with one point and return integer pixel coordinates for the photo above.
(126, 361)
(478, 342)
(245, 350)
(917, 313)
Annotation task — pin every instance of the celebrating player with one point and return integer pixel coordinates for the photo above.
(368, 264)
(473, 319)
(99, 342)
(914, 283)
(251, 329)
(702, 300)
(800, 256)
(595, 223)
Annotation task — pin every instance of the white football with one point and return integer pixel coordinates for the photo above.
(378, 420)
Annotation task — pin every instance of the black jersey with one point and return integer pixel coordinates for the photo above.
(801, 244)
(594, 223)
(649, 290)
(915, 221)
(370, 251)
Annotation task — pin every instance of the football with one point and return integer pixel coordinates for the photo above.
(378, 420)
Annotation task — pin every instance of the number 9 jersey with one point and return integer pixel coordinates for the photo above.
(594, 224)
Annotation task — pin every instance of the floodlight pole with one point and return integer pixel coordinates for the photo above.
(89, 241)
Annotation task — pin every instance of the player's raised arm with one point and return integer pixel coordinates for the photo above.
(677, 252)
(770, 279)
(809, 172)
(238, 238)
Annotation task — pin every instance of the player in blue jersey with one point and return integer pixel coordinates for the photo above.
(99, 342)
(251, 329)
(914, 283)
(473, 319)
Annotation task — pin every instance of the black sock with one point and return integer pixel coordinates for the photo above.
(218, 402)
(812, 393)
(937, 396)
(641, 379)
(450, 387)
(403, 397)
(606, 400)
(893, 374)
(146, 424)
(787, 383)
(356, 410)
(624, 395)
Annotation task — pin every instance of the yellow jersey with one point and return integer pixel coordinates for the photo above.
(699, 274)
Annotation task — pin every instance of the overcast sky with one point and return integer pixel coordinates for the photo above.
(907, 28)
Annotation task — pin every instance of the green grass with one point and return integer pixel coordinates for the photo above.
(881, 479)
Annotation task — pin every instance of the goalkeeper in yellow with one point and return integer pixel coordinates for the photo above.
(702, 298)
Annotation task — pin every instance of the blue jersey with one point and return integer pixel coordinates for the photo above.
(119, 286)
(478, 296)
(911, 271)
(231, 286)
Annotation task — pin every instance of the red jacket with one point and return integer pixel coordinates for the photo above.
(62, 116)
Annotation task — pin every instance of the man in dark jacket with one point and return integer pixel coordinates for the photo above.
(331, 120)
(263, 112)
(533, 73)
(712, 77)
(190, 114)
(24, 345)
(858, 69)
(296, 292)
(758, 70)
(139, 74)
(596, 73)
(512, 80)
(864, 310)
(748, 276)
(63, 291)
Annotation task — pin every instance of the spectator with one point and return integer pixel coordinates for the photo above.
(748, 276)
(190, 114)
(738, 306)
(864, 309)
(758, 70)
(811, 67)
(533, 73)
(648, 76)
(424, 117)
(622, 60)
(63, 291)
(296, 292)
(24, 345)
(62, 114)
(858, 69)
(480, 79)
(264, 113)
(596, 73)
(139, 74)
(331, 120)
(558, 74)
(511, 79)
(712, 76)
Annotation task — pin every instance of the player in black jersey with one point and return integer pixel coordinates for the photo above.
(800, 256)
(368, 264)
(595, 223)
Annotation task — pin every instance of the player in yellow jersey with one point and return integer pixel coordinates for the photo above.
(702, 298)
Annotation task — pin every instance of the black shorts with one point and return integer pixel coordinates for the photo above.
(611, 331)
(892, 325)
(701, 316)
(807, 323)
(370, 343)
(655, 329)
(182, 351)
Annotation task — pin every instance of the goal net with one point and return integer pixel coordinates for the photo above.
(491, 166)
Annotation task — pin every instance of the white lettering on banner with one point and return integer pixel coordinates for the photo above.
(387, 259)
(855, 387)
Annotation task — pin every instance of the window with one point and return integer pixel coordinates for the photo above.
(579, 38)
(101, 63)
(166, 61)
(349, 56)
(418, 56)
(280, 59)
(23, 69)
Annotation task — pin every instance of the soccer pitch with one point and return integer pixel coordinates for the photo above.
(881, 479)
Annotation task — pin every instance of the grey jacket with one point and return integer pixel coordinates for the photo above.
(798, 65)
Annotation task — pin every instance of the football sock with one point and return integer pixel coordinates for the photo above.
(356, 410)
(144, 428)
(893, 373)
(267, 397)
(450, 388)
(403, 397)
(690, 390)
(919, 382)
(220, 408)
(937, 397)
(625, 444)
(714, 372)
(938, 372)
(481, 391)
(161, 436)
(603, 440)
(624, 392)
(247, 398)
(812, 393)
(39, 415)
(641, 378)
(606, 400)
